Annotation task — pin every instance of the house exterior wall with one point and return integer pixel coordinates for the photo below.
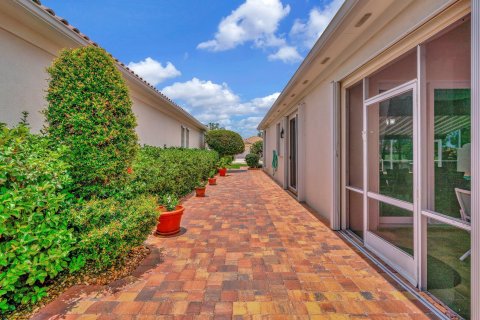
(318, 97)
(22, 80)
(26, 52)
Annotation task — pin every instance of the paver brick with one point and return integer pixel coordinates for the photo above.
(250, 251)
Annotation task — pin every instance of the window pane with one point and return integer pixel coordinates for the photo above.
(448, 276)
(390, 147)
(394, 74)
(355, 212)
(391, 223)
(448, 104)
(354, 136)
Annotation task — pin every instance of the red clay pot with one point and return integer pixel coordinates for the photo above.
(223, 172)
(200, 192)
(169, 221)
(212, 181)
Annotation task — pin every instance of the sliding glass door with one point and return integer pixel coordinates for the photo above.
(407, 192)
(389, 149)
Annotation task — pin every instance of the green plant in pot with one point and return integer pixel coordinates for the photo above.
(200, 187)
(170, 215)
(222, 166)
(211, 178)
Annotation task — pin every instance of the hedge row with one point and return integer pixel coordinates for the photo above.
(160, 171)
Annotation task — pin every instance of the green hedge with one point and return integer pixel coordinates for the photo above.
(109, 229)
(89, 110)
(160, 171)
(225, 142)
(252, 160)
(35, 241)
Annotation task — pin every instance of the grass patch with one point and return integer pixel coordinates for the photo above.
(236, 166)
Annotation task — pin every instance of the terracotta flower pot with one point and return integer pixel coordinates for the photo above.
(223, 172)
(169, 221)
(212, 181)
(200, 192)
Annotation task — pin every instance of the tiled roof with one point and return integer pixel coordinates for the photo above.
(253, 139)
(69, 26)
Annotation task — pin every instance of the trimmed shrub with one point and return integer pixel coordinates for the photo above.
(108, 229)
(257, 148)
(89, 110)
(35, 241)
(252, 160)
(171, 171)
(225, 142)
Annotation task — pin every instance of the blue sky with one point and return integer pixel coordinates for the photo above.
(223, 61)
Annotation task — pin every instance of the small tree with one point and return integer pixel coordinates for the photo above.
(257, 148)
(214, 126)
(225, 142)
(90, 111)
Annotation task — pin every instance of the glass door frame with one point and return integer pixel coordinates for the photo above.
(405, 264)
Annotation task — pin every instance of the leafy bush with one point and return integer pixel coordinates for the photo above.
(257, 148)
(225, 142)
(35, 241)
(252, 160)
(108, 229)
(89, 110)
(171, 171)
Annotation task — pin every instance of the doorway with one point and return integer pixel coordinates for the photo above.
(293, 152)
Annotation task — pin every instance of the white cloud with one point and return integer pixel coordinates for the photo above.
(254, 20)
(153, 71)
(308, 32)
(213, 102)
(287, 54)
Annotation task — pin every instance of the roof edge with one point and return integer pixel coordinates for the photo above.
(324, 39)
(60, 24)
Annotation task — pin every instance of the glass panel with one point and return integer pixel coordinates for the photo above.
(355, 212)
(393, 74)
(391, 223)
(448, 266)
(390, 147)
(354, 136)
(448, 105)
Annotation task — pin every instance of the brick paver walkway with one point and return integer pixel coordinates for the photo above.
(250, 251)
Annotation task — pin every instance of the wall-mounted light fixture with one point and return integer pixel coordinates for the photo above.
(281, 133)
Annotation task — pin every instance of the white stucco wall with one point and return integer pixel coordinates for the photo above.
(318, 139)
(318, 146)
(22, 80)
(28, 47)
(159, 129)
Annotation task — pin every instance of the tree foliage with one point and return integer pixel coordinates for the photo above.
(257, 148)
(89, 110)
(225, 142)
(214, 126)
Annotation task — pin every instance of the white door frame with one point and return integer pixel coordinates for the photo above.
(405, 264)
(288, 153)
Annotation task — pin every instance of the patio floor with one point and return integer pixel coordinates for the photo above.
(249, 250)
